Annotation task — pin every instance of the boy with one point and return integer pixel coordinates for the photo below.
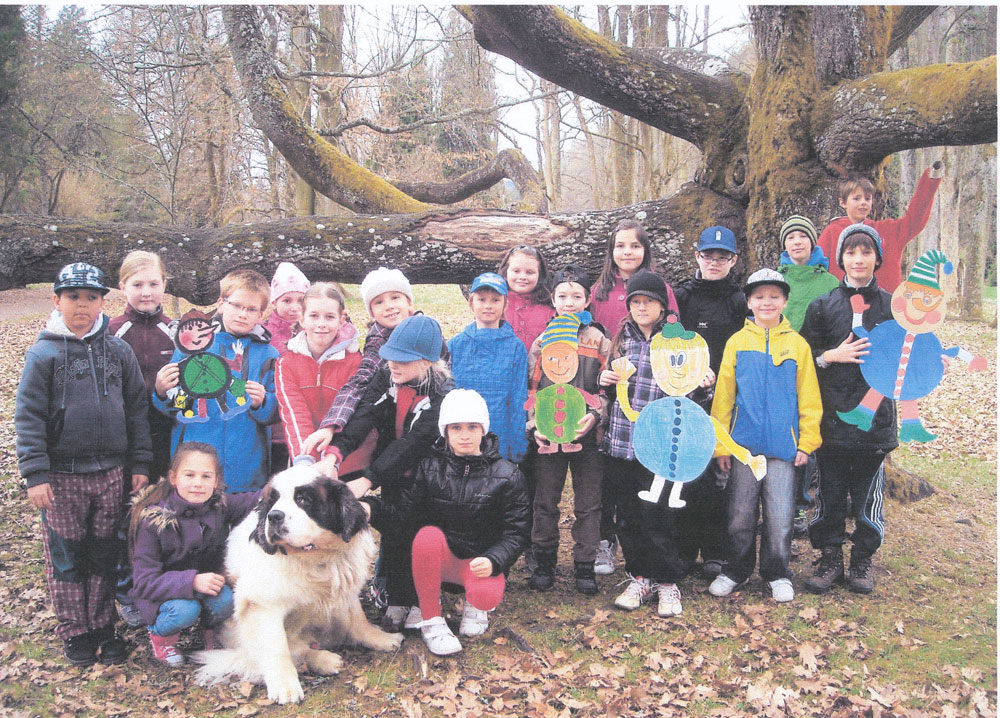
(851, 460)
(237, 427)
(81, 414)
(855, 198)
(712, 304)
(489, 358)
(767, 395)
(804, 266)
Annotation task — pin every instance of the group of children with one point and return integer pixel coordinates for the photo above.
(470, 473)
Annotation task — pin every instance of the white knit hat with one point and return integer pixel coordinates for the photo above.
(382, 280)
(288, 278)
(463, 405)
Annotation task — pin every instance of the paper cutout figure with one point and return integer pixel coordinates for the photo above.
(203, 375)
(560, 407)
(674, 437)
(904, 359)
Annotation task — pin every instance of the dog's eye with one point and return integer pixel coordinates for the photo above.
(303, 500)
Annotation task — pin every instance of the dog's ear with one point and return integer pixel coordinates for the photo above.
(353, 519)
(259, 535)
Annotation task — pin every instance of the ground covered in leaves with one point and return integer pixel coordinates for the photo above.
(924, 644)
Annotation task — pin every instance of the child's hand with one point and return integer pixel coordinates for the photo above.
(139, 482)
(481, 567)
(725, 463)
(359, 487)
(208, 583)
(41, 496)
(327, 466)
(317, 441)
(585, 424)
(848, 352)
(166, 379)
(801, 458)
(607, 377)
(257, 394)
(708, 380)
(945, 362)
(368, 509)
(540, 440)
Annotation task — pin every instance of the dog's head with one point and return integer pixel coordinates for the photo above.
(302, 510)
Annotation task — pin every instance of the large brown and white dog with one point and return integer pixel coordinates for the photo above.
(297, 565)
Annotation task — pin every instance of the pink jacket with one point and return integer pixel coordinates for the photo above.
(527, 319)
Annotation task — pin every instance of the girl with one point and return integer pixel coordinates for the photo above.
(646, 530)
(472, 506)
(177, 539)
(288, 287)
(528, 307)
(401, 404)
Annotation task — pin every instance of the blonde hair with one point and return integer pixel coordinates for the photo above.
(247, 280)
(324, 290)
(139, 260)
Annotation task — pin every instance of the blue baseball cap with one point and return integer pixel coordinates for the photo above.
(416, 337)
(490, 280)
(717, 238)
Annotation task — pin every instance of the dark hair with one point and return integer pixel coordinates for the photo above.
(540, 294)
(852, 183)
(616, 343)
(606, 279)
(859, 239)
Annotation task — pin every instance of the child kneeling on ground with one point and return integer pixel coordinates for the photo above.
(471, 506)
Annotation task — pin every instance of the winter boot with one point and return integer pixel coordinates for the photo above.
(829, 569)
(544, 576)
(583, 576)
(112, 649)
(860, 576)
(80, 650)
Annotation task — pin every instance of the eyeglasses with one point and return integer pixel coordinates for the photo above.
(716, 258)
(240, 309)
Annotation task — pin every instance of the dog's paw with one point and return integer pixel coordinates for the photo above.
(324, 663)
(387, 641)
(285, 689)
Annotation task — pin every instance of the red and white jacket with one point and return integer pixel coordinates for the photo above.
(306, 386)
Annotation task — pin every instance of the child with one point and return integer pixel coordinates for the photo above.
(472, 506)
(81, 414)
(402, 404)
(528, 308)
(178, 538)
(851, 460)
(240, 434)
(568, 340)
(804, 267)
(628, 251)
(855, 198)
(646, 530)
(713, 305)
(766, 394)
(488, 357)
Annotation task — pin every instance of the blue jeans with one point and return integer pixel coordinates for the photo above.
(775, 494)
(803, 480)
(179, 613)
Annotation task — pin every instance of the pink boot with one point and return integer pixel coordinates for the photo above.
(210, 638)
(165, 649)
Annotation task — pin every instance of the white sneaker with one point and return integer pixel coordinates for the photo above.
(438, 637)
(722, 585)
(474, 622)
(413, 619)
(670, 600)
(637, 592)
(395, 617)
(781, 590)
(604, 565)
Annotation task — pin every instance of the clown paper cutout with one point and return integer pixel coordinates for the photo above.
(904, 360)
(560, 407)
(202, 375)
(674, 437)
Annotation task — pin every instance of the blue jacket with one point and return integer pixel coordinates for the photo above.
(242, 437)
(494, 362)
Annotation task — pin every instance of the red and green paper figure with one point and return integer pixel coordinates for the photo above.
(560, 407)
(674, 437)
(203, 375)
(904, 360)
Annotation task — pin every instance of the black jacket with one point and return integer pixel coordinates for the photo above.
(841, 385)
(479, 502)
(715, 309)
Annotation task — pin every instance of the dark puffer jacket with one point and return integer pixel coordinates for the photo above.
(715, 309)
(480, 503)
(841, 385)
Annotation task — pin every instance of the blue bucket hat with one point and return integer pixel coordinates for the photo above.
(489, 280)
(416, 337)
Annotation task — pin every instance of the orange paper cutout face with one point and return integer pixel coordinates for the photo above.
(560, 362)
(678, 364)
(917, 308)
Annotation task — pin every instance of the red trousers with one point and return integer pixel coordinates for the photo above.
(434, 563)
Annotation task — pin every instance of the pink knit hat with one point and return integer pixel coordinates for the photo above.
(288, 278)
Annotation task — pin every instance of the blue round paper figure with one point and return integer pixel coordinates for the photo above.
(670, 438)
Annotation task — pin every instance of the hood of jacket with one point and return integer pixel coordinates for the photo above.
(490, 448)
(504, 331)
(816, 258)
(345, 341)
(136, 317)
(56, 328)
(753, 328)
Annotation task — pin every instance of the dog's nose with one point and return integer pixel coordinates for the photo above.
(276, 517)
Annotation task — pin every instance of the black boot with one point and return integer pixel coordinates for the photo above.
(112, 648)
(583, 575)
(544, 575)
(860, 576)
(830, 569)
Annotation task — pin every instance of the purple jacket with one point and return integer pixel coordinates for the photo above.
(177, 540)
(150, 339)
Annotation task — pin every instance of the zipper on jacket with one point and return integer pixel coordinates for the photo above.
(97, 389)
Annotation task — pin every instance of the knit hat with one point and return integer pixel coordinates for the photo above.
(80, 275)
(717, 238)
(648, 284)
(797, 223)
(564, 328)
(416, 337)
(489, 280)
(463, 405)
(924, 272)
(859, 229)
(288, 278)
(382, 280)
(766, 276)
(572, 273)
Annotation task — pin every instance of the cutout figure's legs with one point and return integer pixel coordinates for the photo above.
(861, 416)
(911, 428)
